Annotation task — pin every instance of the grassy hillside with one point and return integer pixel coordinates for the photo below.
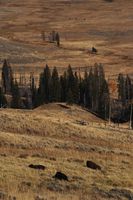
(54, 136)
(81, 24)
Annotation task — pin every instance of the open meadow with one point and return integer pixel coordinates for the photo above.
(54, 137)
(82, 24)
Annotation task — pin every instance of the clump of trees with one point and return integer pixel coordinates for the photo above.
(90, 90)
(125, 89)
(53, 37)
(125, 96)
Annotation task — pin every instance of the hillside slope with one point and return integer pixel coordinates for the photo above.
(100, 23)
(55, 136)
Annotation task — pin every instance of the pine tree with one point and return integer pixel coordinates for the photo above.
(76, 88)
(34, 93)
(70, 98)
(104, 101)
(55, 86)
(44, 86)
(63, 84)
(46, 82)
(40, 92)
(73, 84)
(3, 101)
(16, 100)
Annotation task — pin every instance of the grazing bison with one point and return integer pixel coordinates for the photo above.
(94, 50)
(93, 165)
(39, 167)
(60, 176)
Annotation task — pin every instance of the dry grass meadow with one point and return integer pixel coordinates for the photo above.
(52, 136)
(81, 24)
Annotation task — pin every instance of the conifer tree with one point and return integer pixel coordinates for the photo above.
(55, 86)
(3, 101)
(73, 84)
(103, 110)
(16, 100)
(34, 93)
(40, 92)
(63, 84)
(70, 98)
(76, 88)
(44, 86)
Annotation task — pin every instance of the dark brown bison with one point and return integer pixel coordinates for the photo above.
(60, 176)
(93, 165)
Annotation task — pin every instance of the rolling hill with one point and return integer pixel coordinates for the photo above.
(106, 25)
(55, 136)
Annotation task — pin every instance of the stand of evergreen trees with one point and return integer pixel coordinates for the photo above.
(89, 90)
(125, 96)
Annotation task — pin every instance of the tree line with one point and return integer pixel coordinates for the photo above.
(90, 90)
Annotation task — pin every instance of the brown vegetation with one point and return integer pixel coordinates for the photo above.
(50, 136)
(81, 24)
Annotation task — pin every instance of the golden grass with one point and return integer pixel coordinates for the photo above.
(55, 140)
(107, 26)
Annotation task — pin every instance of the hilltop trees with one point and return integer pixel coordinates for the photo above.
(90, 90)
(53, 88)
(55, 37)
(94, 92)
